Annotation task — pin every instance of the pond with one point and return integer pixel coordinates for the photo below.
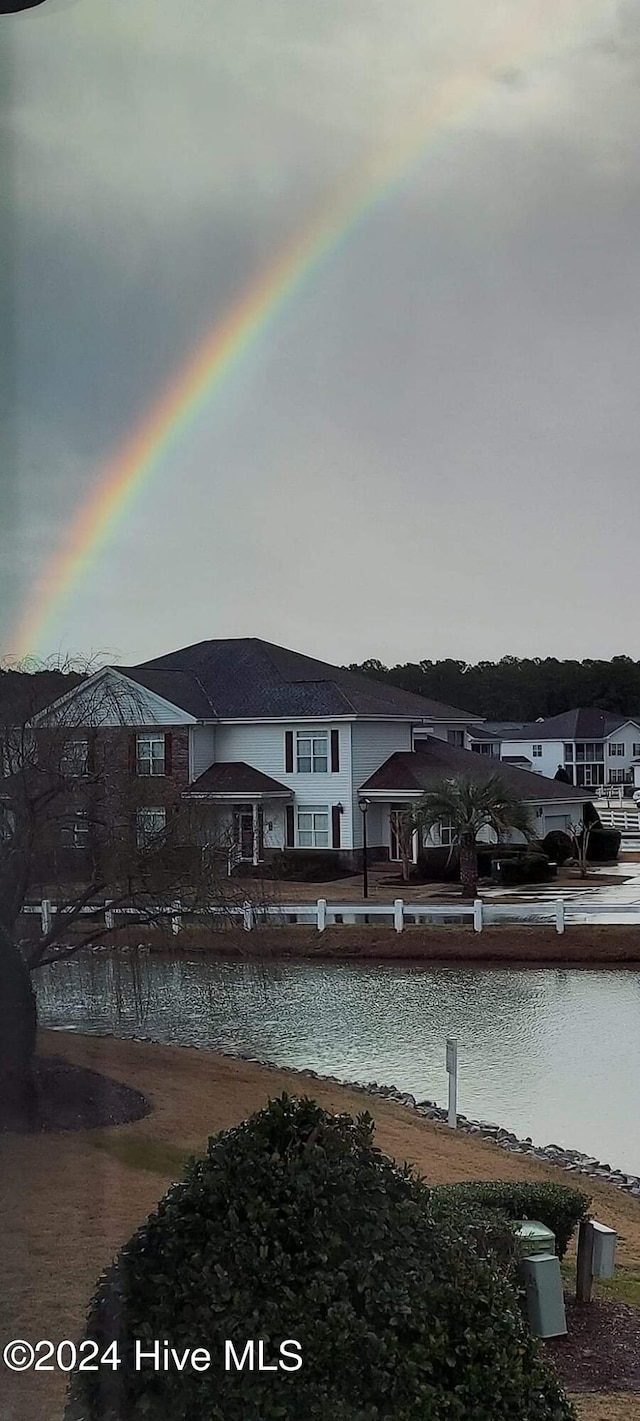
(549, 1053)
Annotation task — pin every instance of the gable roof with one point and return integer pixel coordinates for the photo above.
(583, 723)
(236, 778)
(419, 770)
(245, 678)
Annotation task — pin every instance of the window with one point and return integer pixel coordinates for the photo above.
(456, 737)
(536, 751)
(313, 826)
(447, 835)
(150, 754)
(619, 776)
(150, 825)
(74, 759)
(7, 823)
(590, 750)
(312, 754)
(636, 750)
(484, 748)
(74, 832)
(568, 751)
(616, 747)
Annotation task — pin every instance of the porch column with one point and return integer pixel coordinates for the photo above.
(415, 847)
(256, 831)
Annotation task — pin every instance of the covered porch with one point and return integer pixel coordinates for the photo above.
(239, 810)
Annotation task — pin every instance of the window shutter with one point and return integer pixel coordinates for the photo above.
(288, 752)
(335, 751)
(168, 749)
(335, 827)
(290, 826)
(133, 754)
(260, 831)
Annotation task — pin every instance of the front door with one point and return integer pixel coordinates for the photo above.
(243, 830)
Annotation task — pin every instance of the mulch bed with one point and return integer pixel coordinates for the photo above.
(601, 1351)
(71, 1097)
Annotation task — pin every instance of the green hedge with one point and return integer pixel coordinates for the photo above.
(557, 846)
(297, 865)
(558, 1206)
(604, 845)
(525, 868)
(295, 1226)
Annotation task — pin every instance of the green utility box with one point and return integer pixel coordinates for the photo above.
(542, 1281)
(534, 1237)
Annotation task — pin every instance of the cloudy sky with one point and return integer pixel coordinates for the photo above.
(433, 449)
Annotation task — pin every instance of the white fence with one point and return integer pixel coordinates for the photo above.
(399, 914)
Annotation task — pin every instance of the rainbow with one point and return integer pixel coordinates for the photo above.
(245, 323)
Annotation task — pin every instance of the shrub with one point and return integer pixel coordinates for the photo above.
(557, 846)
(558, 1206)
(294, 1226)
(604, 845)
(298, 865)
(525, 868)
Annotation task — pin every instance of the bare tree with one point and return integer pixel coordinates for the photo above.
(72, 831)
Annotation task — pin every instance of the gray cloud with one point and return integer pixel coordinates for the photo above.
(433, 450)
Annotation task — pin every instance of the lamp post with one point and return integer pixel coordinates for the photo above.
(363, 805)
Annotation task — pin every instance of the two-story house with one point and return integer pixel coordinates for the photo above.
(593, 746)
(277, 750)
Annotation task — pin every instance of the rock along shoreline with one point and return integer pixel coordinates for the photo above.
(573, 1161)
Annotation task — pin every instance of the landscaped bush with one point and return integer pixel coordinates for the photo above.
(558, 1206)
(603, 845)
(557, 846)
(525, 868)
(299, 865)
(295, 1226)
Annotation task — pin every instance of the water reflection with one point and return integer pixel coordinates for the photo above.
(551, 1053)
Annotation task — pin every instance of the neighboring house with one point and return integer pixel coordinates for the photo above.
(593, 746)
(274, 749)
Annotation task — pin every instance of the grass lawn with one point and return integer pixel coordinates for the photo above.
(68, 1201)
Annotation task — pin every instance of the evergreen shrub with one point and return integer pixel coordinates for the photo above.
(558, 1206)
(293, 1226)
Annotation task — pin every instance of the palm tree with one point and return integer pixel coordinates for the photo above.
(469, 806)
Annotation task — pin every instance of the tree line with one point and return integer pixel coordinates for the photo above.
(518, 688)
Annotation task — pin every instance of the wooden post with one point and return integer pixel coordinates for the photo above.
(559, 915)
(584, 1262)
(176, 919)
(45, 916)
(477, 915)
(322, 914)
(398, 914)
(452, 1071)
(247, 917)
(109, 917)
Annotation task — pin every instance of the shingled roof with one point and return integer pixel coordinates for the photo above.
(236, 778)
(584, 723)
(249, 679)
(419, 770)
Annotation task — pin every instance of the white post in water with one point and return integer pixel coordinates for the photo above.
(452, 1071)
(45, 916)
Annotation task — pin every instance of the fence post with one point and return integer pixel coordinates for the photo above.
(176, 919)
(477, 915)
(247, 917)
(45, 916)
(322, 914)
(109, 916)
(398, 914)
(559, 915)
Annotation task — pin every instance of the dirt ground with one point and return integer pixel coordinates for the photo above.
(68, 1201)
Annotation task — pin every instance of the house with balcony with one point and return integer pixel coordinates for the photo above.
(596, 748)
(274, 750)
